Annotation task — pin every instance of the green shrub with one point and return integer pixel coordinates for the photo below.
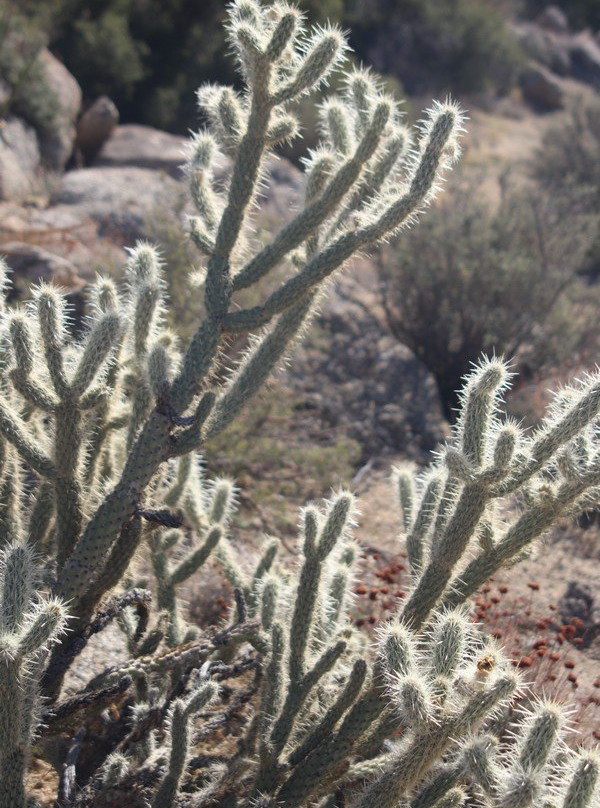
(473, 280)
(107, 59)
(27, 92)
(567, 167)
(458, 46)
(150, 56)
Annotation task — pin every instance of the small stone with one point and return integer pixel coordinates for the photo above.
(554, 19)
(541, 88)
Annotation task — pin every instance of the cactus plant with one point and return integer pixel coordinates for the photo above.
(99, 443)
(30, 622)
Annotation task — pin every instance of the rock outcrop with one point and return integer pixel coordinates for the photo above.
(362, 380)
(541, 88)
(33, 264)
(554, 19)
(59, 244)
(121, 200)
(585, 59)
(19, 160)
(550, 43)
(57, 139)
(143, 147)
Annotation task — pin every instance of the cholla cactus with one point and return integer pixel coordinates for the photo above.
(326, 717)
(178, 730)
(99, 445)
(99, 422)
(555, 471)
(208, 510)
(29, 623)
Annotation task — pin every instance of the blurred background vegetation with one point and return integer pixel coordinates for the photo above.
(149, 56)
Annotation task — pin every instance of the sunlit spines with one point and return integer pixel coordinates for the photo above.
(480, 397)
(322, 51)
(583, 781)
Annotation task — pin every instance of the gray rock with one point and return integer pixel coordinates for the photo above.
(143, 147)
(57, 141)
(585, 59)
(37, 225)
(58, 219)
(31, 264)
(578, 601)
(554, 19)
(378, 392)
(542, 89)
(95, 127)
(543, 46)
(560, 51)
(121, 200)
(19, 159)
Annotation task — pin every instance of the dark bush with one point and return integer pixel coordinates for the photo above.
(461, 46)
(567, 166)
(472, 279)
(26, 93)
(149, 56)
